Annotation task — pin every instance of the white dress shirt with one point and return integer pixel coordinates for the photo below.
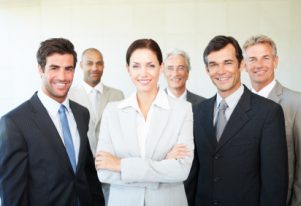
(143, 124)
(264, 92)
(182, 97)
(231, 101)
(52, 108)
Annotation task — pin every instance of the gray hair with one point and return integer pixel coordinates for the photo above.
(259, 39)
(179, 52)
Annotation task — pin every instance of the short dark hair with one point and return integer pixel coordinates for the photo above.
(218, 43)
(144, 44)
(55, 45)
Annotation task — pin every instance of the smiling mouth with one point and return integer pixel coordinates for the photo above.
(144, 82)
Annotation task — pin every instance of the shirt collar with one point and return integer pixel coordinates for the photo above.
(51, 105)
(88, 88)
(182, 97)
(232, 99)
(161, 100)
(264, 92)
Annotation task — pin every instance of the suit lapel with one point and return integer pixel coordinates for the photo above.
(158, 122)
(238, 119)
(276, 93)
(208, 121)
(127, 118)
(44, 122)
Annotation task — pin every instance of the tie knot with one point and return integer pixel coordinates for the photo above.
(62, 109)
(222, 105)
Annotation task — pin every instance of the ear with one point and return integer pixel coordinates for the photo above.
(127, 68)
(242, 65)
(40, 70)
(207, 70)
(161, 68)
(275, 62)
(81, 65)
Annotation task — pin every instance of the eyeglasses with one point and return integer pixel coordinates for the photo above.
(179, 68)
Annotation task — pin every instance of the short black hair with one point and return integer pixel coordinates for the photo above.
(218, 43)
(55, 45)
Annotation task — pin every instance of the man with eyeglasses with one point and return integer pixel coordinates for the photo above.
(176, 71)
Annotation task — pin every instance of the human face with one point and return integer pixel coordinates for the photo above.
(260, 65)
(176, 72)
(224, 70)
(92, 65)
(144, 70)
(57, 76)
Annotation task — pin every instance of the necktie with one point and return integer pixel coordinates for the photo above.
(67, 137)
(221, 120)
(95, 101)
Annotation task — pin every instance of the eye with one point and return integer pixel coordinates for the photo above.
(135, 66)
(152, 66)
(212, 66)
(69, 69)
(89, 63)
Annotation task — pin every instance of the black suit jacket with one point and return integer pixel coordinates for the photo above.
(34, 166)
(248, 166)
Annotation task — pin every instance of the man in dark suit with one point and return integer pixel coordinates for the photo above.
(240, 147)
(176, 71)
(45, 157)
(261, 60)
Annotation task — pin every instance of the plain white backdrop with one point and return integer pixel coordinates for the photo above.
(111, 25)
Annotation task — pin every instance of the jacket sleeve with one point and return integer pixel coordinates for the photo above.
(164, 171)
(296, 196)
(273, 160)
(13, 164)
(143, 172)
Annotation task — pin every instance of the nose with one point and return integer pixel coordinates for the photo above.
(61, 74)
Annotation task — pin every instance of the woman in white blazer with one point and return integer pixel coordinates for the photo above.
(145, 147)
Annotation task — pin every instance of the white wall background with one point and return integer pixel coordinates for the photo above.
(111, 25)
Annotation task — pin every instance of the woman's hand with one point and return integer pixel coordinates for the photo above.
(179, 151)
(107, 161)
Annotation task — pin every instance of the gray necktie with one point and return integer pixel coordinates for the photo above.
(221, 120)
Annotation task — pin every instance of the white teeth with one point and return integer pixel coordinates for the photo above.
(222, 78)
(144, 81)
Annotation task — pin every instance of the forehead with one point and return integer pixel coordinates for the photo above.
(92, 55)
(257, 49)
(226, 53)
(143, 55)
(175, 60)
(60, 59)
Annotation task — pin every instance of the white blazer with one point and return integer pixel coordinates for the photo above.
(149, 181)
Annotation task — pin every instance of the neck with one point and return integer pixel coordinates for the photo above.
(259, 86)
(177, 92)
(145, 100)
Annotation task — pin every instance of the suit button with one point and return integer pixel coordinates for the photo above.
(216, 157)
(217, 179)
(215, 202)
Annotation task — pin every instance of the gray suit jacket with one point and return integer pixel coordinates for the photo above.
(79, 95)
(193, 98)
(151, 180)
(291, 105)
